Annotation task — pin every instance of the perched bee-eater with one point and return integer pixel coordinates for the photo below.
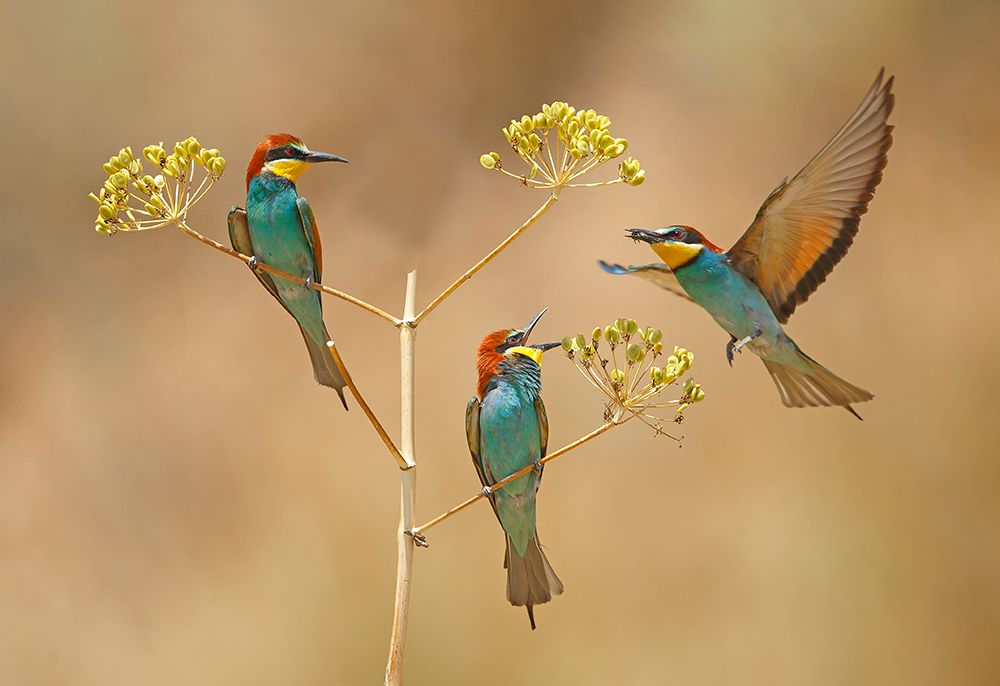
(802, 230)
(508, 430)
(279, 229)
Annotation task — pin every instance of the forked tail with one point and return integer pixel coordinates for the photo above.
(530, 579)
(815, 387)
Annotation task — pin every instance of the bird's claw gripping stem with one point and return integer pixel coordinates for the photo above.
(487, 492)
(731, 348)
(537, 466)
(253, 262)
(307, 282)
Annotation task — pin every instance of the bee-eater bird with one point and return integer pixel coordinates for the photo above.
(508, 430)
(802, 230)
(279, 229)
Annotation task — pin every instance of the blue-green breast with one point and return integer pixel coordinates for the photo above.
(280, 240)
(510, 439)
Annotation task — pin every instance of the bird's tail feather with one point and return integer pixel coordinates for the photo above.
(816, 387)
(324, 368)
(530, 579)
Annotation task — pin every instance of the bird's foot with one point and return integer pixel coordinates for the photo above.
(537, 466)
(743, 341)
(253, 263)
(487, 492)
(729, 350)
(308, 282)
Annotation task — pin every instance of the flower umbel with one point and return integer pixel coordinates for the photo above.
(131, 200)
(581, 142)
(630, 368)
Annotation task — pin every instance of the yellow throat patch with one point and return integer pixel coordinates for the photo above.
(533, 353)
(290, 169)
(676, 255)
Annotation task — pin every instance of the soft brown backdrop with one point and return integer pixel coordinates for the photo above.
(181, 504)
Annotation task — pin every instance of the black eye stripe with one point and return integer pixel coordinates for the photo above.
(286, 152)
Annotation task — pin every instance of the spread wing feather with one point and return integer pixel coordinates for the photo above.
(659, 274)
(806, 225)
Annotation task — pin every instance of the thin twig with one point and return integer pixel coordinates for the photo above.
(407, 490)
(285, 275)
(379, 429)
(417, 532)
(549, 202)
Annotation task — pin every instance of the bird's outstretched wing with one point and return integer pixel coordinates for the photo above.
(659, 274)
(472, 435)
(806, 225)
(312, 235)
(239, 238)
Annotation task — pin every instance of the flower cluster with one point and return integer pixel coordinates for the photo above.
(632, 384)
(582, 141)
(131, 200)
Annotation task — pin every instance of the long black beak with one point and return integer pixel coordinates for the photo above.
(313, 157)
(644, 235)
(531, 325)
(546, 346)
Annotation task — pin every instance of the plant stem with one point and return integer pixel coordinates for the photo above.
(284, 275)
(408, 489)
(549, 202)
(417, 532)
(379, 429)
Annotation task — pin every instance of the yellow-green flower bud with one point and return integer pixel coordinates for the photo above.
(596, 335)
(192, 146)
(580, 341)
(617, 376)
(218, 166)
(489, 161)
(106, 212)
(656, 375)
(611, 335)
(567, 343)
(110, 168)
(681, 408)
(632, 326)
(669, 374)
(160, 181)
(96, 199)
(634, 353)
(697, 395)
(637, 180)
(658, 348)
(654, 336)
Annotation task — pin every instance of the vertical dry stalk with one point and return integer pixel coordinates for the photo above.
(408, 489)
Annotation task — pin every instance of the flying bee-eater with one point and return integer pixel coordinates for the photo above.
(508, 430)
(278, 228)
(802, 230)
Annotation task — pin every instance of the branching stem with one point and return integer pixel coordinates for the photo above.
(549, 202)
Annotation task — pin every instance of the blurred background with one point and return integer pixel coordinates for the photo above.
(181, 503)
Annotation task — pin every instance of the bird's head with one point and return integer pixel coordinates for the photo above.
(506, 344)
(285, 155)
(675, 245)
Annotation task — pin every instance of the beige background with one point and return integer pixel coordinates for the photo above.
(181, 504)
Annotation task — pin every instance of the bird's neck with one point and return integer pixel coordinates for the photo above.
(267, 187)
(517, 371)
(677, 255)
